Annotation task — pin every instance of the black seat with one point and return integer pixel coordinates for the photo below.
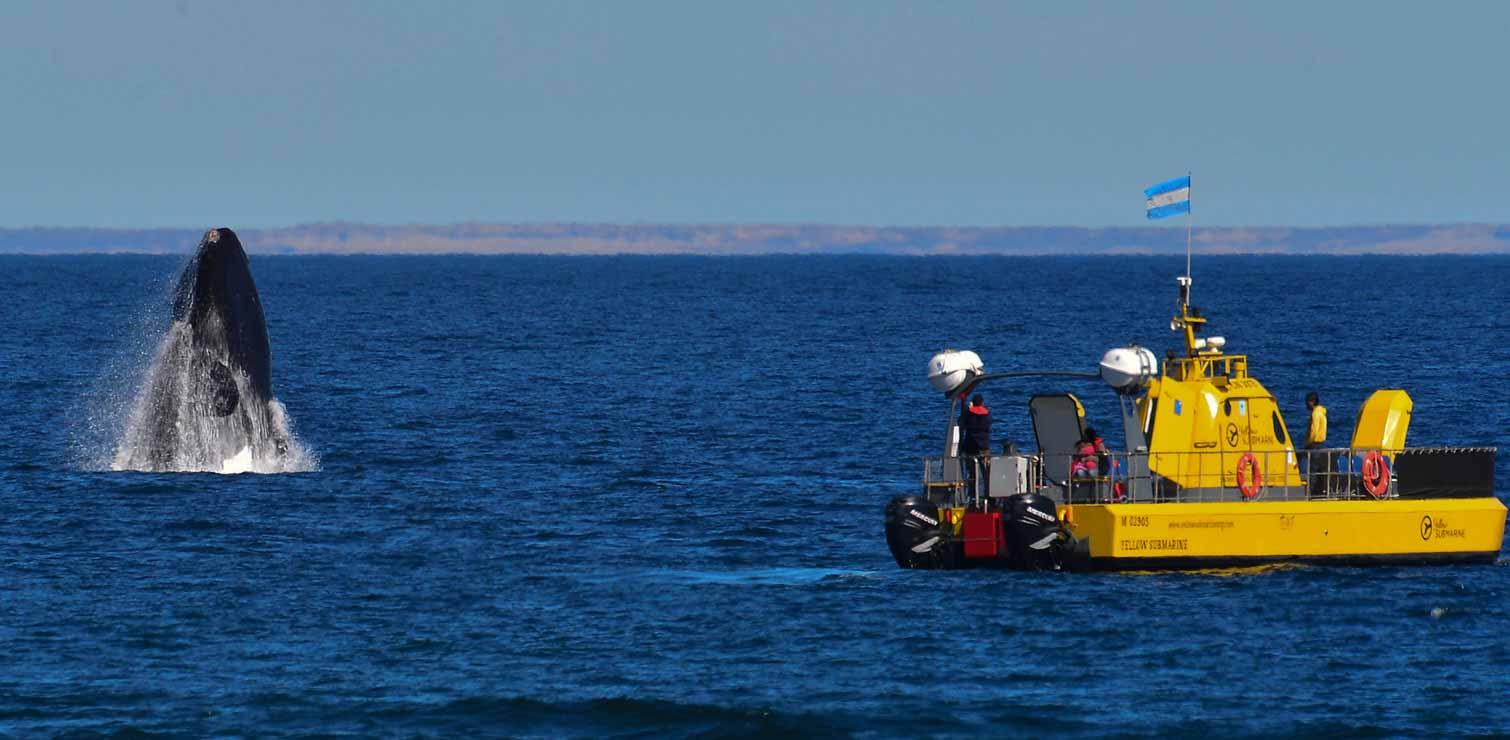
(1058, 425)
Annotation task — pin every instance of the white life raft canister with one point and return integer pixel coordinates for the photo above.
(951, 368)
(1129, 368)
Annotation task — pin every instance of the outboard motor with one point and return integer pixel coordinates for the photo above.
(1034, 535)
(914, 534)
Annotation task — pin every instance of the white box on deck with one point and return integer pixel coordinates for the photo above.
(1009, 475)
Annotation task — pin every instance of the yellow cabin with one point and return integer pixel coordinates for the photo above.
(1205, 418)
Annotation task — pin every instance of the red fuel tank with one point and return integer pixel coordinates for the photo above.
(982, 533)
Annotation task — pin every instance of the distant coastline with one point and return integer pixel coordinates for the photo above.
(731, 239)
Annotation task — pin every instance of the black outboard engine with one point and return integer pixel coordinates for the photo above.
(1034, 535)
(913, 533)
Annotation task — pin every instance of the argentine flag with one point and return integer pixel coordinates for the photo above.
(1169, 198)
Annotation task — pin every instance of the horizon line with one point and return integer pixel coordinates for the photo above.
(755, 224)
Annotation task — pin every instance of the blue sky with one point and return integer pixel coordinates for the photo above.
(962, 113)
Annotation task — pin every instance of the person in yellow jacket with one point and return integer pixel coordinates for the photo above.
(1316, 433)
(1317, 462)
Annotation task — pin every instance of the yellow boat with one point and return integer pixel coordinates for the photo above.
(1209, 478)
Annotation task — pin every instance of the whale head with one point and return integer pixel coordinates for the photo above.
(218, 300)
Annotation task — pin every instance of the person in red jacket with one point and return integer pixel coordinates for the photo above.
(1092, 458)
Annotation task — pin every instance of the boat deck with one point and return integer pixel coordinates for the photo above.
(1334, 474)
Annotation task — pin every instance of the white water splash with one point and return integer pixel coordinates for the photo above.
(172, 426)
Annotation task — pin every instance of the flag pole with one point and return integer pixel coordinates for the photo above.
(1189, 223)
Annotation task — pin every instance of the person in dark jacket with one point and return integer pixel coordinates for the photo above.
(975, 428)
(975, 425)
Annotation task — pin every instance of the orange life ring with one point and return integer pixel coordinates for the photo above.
(1249, 480)
(1375, 474)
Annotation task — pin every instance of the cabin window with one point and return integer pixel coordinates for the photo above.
(1279, 428)
(1227, 408)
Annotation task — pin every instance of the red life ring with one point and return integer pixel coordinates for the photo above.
(1375, 474)
(1250, 482)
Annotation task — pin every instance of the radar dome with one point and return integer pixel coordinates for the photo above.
(1128, 368)
(951, 368)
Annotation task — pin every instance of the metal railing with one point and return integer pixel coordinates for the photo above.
(1194, 476)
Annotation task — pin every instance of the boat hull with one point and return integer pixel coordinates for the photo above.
(1176, 536)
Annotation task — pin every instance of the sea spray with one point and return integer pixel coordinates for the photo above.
(173, 424)
(97, 421)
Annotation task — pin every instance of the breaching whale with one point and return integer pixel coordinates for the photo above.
(208, 401)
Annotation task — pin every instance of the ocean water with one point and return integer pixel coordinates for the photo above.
(643, 496)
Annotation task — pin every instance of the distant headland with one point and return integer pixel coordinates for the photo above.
(730, 239)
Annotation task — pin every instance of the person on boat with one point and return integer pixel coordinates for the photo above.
(1094, 466)
(1092, 459)
(975, 426)
(1316, 462)
(1316, 432)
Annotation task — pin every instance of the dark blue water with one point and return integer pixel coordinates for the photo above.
(595, 496)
